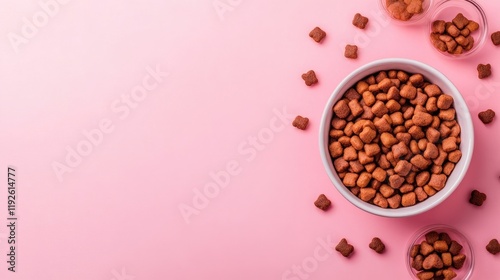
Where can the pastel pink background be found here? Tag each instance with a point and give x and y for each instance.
(118, 212)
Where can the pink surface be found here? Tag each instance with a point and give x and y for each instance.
(223, 111)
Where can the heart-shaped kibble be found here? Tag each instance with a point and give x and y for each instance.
(493, 247)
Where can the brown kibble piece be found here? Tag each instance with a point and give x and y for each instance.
(408, 91)
(379, 109)
(437, 43)
(449, 144)
(495, 38)
(300, 122)
(486, 116)
(360, 21)
(341, 109)
(422, 178)
(431, 151)
(363, 179)
(351, 51)
(352, 94)
(477, 198)
(453, 30)
(483, 70)
(350, 179)
(336, 149)
(447, 259)
(422, 118)
(366, 194)
(449, 274)
(420, 162)
(408, 199)
(432, 261)
(367, 135)
(458, 261)
(430, 191)
(431, 237)
(438, 181)
(455, 156)
(415, 249)
(426, 248)
(380, 201)
(493, 247)
(472, 26)
(417, 80)
(310, 78)
(322, 202)
(399, 150)
(444, 101)
(440, 246)
(445, 237)
(438, 26)
(377, 245)
(394, 201)
(388, 139)
(344, 248)
(417, 262)
(425, 275)
(402, 168)
(460, 21)
(379, 174)
(455, 248)
(317, 34)
(421, 194)
(386, 191)
(355, 107)
(395, 181)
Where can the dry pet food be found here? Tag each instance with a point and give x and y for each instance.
(404, 9)
(483, 71)
(454, 37)
(317, 34)
(436, 257)
(495, 38)
(310, 78)
(377, 245)
(323, 202)
(360, 21)
(394, 138)
(351, 51)
(493, 247)
(300, 122)
(477, 198)
(486, 116)
(344, 248)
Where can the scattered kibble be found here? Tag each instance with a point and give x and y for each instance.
(317, 34)
(323, 202)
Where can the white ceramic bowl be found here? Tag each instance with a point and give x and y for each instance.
(463, 118)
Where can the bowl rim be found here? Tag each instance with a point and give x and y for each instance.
(466, 125)
(439, 7)
(443, 228)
